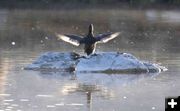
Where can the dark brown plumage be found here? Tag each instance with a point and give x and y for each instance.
(90, 40)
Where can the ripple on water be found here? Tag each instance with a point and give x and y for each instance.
(60, 104)
(6, 103)
(8, 100)
(24, 100)
(10, 107)
(14, 105)
(50, 106)
(7, 95)
(45, 96)
(75, 104)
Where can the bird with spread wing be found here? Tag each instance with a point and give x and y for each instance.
(90, 40)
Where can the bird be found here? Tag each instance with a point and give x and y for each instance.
(89, 40)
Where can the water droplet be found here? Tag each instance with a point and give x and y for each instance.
(124, 97)
(76, 28)
(153, 108)
(46, 38)
(41, 41)
(13, 43)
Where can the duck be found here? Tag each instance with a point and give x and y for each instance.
(89, 41)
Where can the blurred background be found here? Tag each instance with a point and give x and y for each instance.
(147, 24)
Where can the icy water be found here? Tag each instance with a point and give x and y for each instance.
(149, 35)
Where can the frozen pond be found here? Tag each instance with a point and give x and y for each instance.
(148, 35)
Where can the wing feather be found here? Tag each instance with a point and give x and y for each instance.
(72, 39)
(103, 38)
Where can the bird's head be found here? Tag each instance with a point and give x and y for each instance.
(91, 29)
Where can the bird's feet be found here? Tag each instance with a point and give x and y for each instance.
(94, 54)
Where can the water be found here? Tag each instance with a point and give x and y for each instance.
(149, 35)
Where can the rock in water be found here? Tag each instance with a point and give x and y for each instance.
(107, 62)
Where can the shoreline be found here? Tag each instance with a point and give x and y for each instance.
(76, 6)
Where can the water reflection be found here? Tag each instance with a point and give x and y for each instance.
(5, 66)
(86, 90)
(94, 85)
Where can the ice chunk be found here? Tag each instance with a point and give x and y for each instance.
(107, 62)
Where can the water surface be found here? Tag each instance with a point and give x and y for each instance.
(149, 35)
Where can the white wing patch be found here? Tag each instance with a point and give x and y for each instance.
(112, 36)
(68, 39)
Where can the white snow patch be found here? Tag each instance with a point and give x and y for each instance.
(110, 61)
(102, 62)
(53, 61)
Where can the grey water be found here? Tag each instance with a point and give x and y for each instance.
(150, 35)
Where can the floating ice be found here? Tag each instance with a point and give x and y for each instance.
(107, 62)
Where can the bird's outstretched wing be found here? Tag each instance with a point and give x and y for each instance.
(103, 38)
(72, 39)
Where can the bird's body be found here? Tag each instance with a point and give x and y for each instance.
(90, 40)
(89, 48)
(90, 44)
